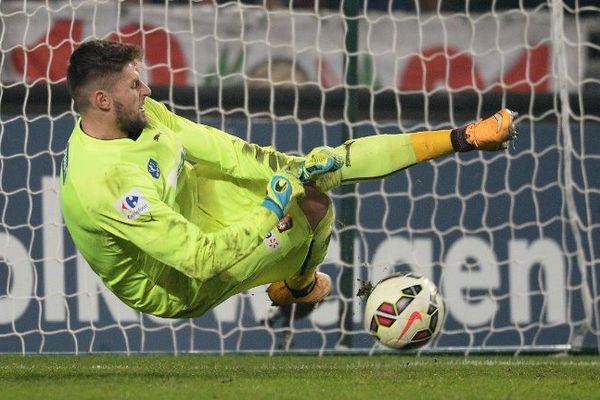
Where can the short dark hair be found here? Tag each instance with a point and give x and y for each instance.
(97, 59)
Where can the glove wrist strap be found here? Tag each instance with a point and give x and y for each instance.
(270, 205)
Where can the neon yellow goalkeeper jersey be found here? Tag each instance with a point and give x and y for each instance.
(133, 211)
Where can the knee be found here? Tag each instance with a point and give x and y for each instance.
(315, 205)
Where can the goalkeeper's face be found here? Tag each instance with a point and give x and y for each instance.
(129, 93)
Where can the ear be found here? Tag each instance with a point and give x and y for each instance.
(102, 100)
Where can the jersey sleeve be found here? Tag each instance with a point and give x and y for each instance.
(215, 149)
(134, 212)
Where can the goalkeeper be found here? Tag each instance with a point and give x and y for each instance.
(175, 216)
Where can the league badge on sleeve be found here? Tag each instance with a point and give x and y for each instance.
(153, 168)
(132, 205)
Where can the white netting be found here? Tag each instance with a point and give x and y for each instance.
(511, 239)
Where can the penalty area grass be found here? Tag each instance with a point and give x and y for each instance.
(281, 377)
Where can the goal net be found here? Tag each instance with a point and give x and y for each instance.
(511, 239)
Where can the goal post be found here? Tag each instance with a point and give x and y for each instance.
(511, 239)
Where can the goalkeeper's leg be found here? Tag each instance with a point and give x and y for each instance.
(307, 285)
(377, 156)
(370, 158)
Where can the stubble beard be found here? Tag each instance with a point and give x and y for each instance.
(133, 126)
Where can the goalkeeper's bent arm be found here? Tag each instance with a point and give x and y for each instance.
(173, 240)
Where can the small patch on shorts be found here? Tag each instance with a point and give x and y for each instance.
(285, 224)
(271, 241)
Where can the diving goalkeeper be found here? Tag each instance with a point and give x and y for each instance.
(175, 216)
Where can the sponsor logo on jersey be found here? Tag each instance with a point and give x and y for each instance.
(271, 241)
(286, 223)
(153, 168)
(132, 205)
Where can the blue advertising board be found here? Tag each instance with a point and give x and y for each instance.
(512, 240)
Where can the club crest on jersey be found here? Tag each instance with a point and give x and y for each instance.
(271, 241)
(153, 168)
(285, 224)
(132, 205)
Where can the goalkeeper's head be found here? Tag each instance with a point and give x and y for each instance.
(103, 77)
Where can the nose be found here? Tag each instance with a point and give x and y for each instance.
(146, 91)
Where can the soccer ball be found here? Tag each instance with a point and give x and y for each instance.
(404, 311)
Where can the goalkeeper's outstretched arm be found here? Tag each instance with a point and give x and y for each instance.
(217, 152)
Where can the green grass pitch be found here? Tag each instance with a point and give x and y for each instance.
(298, 377)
